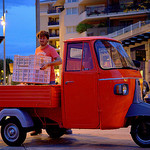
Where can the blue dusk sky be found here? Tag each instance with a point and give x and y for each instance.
(20, 28)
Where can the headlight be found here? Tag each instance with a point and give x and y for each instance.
(121, 89)
(124, 89)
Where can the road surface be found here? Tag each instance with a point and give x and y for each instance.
(80, 139)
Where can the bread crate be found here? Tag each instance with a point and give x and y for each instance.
(27, 69)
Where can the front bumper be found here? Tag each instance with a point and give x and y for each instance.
(139, 109)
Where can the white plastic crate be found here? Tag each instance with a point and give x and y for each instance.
(27, 69)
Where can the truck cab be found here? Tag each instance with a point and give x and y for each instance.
(98, 82)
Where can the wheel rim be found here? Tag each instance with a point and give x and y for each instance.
(11, 132)
(143, 132)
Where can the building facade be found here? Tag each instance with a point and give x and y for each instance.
(65, 19)
(99, 18)
(49, 21)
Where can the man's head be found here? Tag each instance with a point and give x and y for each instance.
(43, 37)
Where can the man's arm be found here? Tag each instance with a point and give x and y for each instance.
(57, 61)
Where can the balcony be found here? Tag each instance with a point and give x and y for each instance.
(132, 30)
(97, 31)
(104, 31)
(57, 10)
(140, 28)
(115, 9)
(111, 11)
(54, 36)
(53, 23)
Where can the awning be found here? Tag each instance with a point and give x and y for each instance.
(1, 38)
(136, 39)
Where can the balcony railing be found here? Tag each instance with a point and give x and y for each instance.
(115, 31)
(100, 10)
(129, 28)
(53, 35)
(55, 11)
(53, 23)
(101, 31)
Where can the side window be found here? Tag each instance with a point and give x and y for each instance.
(74, 57)
(87, 63)
(78, 57)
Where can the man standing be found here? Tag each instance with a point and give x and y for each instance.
(46, 50)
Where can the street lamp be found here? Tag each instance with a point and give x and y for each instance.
(2, 21)
(3, 24)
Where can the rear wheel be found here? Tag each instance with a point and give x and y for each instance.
(55, 131)
(13, 134)
(140, 132)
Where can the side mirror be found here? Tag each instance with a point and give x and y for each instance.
(145, 88)
(136, 63)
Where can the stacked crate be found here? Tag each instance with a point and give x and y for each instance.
(26, 69)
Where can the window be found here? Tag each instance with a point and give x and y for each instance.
(57, 43)
(75, 0)
(72, 11)
(112, 55)
(71, 1)
(71, 29)
(68, 11)
(79, 57)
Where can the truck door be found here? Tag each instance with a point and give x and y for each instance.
(80, 88)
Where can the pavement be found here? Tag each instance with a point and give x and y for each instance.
(80, 139)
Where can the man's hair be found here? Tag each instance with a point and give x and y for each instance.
(43, 33)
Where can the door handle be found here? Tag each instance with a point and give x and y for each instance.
(69, 82)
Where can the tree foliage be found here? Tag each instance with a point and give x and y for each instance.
(83, 27)
(8, 60)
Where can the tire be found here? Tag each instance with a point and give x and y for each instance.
(13, 134)
(140, 132)
(55, 132)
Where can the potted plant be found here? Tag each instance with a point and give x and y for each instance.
(83, 27)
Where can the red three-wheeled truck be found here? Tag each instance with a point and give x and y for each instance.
(100, 89)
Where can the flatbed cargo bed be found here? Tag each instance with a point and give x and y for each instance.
(37, 96)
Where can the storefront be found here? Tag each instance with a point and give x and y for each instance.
(138, 47)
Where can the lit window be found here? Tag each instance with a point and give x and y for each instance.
(57, 44)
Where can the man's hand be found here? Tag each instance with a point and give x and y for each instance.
(57, 61)
(44, 66)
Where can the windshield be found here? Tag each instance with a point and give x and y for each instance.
(111, 54)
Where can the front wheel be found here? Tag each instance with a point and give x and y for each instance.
(140, 132)
(13, 134)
